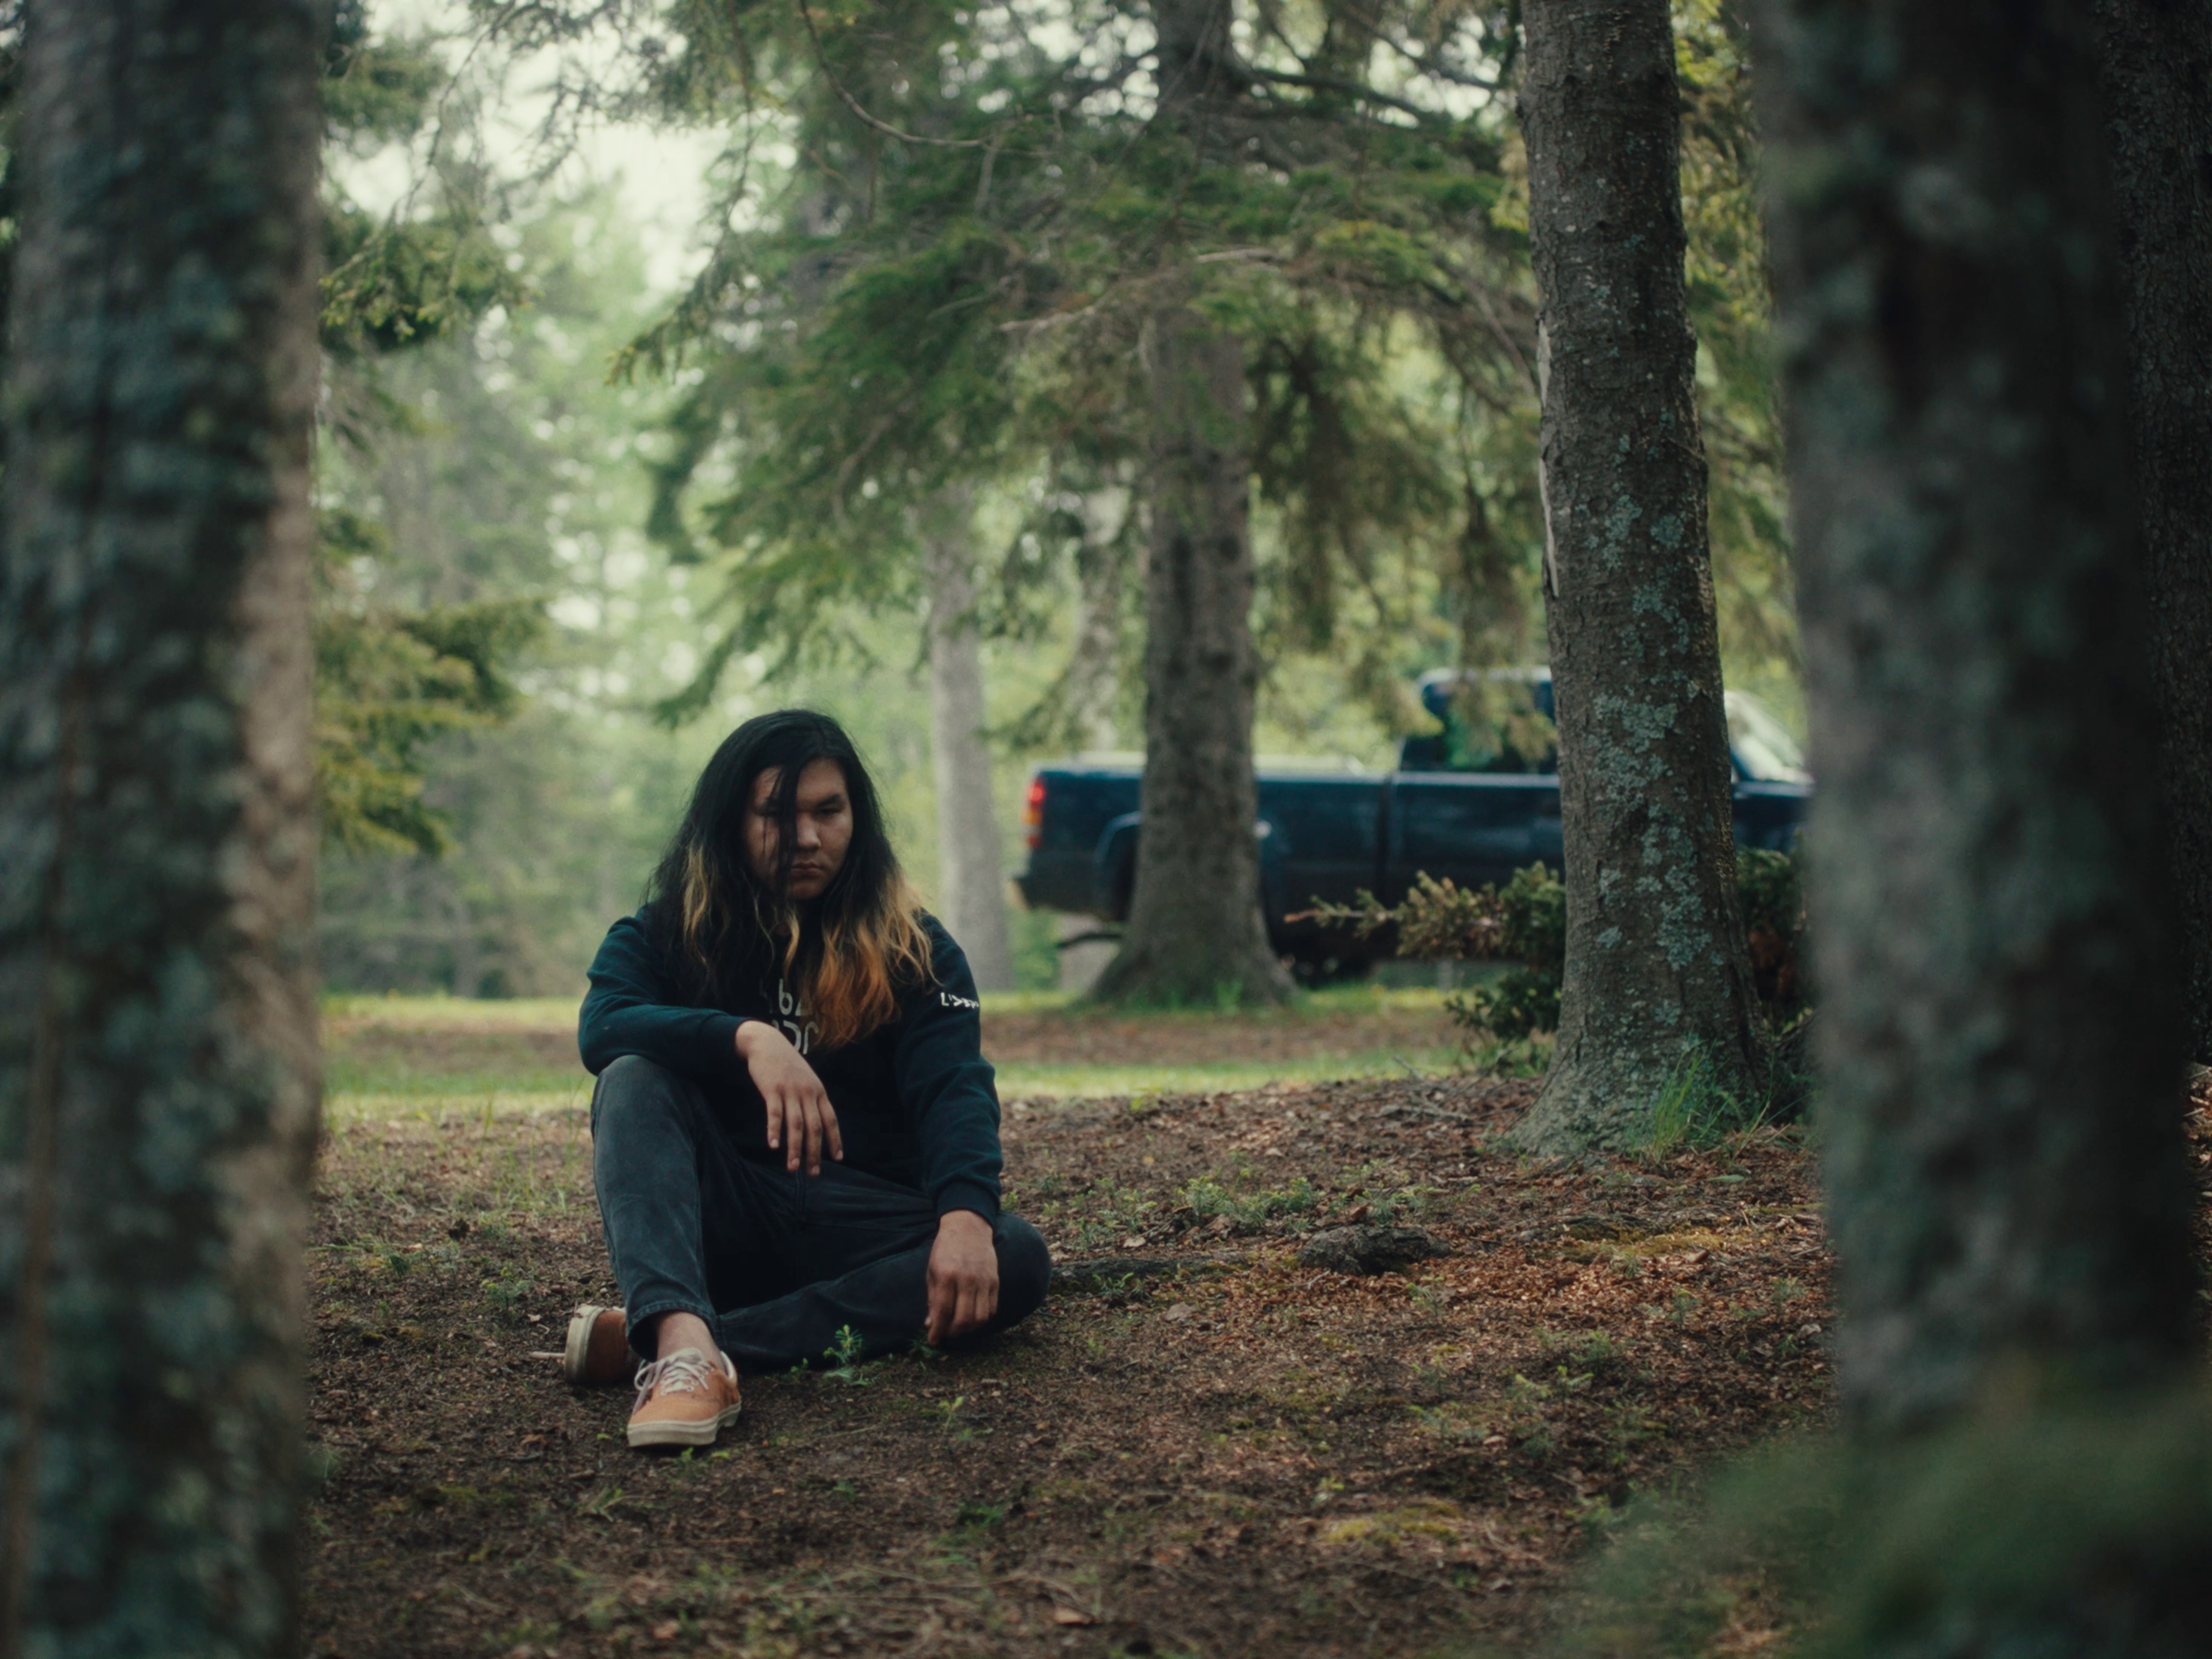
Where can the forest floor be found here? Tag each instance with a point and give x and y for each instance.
(1233, 1455)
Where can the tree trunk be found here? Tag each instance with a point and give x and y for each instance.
(1997, 1034)
(2157, 61)
(1093, 664)
(1658, 995)
(157, 1063)
(1195, 934)
(971, 885)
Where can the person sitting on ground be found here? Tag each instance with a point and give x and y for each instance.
(794, 1133)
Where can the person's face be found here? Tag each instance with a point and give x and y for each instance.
(824, 828)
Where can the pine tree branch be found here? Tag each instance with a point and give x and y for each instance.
(871, 122)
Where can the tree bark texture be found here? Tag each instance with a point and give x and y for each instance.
(157, 1046)
(1094, 664)
(1658, 991)
(2157, 61)
(1195, 932)
(971, 884)
(1998, 1040)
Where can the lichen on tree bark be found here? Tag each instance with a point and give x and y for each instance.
(156, 998)
(1658, 990)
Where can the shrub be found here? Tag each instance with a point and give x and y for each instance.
(1525, 922)
(1772, 888)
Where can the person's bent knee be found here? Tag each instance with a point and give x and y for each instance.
(630, 1080)
(1024, 1269)
(629, 1072)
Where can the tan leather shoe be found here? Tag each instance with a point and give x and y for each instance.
(683, 1398)
(598, 1352)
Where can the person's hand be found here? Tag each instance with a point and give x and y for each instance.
(800, 1119)
(964, 1277)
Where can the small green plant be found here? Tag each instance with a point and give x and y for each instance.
(1109, 1213)
(845, 1356)
(977, 1516)
(1627, 1426)
(528, 1635)
(1527, 1425)
(1597, 1351)
(1528, 1056)
(1692, 1109)
(1207, 1198)
(602, 1503)
(947, 1415)
(1406, 1202)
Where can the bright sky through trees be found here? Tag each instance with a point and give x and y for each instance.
(658, 175)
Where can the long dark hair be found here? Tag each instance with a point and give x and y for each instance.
(850, 953)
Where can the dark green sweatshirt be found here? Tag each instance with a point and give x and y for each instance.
(915, 1102)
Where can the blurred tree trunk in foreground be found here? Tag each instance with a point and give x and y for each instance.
(1998, 1041)
(971, 884)
(1658, 991)
(1194, 925)
(157, 1065)
(2157, 61)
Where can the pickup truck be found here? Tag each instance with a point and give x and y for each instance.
(1473, 801)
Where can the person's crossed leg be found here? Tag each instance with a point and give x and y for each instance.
(727, 1262)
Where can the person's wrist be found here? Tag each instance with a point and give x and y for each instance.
(957, 1221)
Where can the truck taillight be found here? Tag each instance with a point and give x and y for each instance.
(1033, 813)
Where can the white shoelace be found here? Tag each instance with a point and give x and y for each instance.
(685, 1371)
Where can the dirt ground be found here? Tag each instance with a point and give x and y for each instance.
(1238, 1454)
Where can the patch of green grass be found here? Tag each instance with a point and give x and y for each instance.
(444, 1109)
(397, 1080)
(449, 1013)
(382, 1080)
(1334, 1000)
(1031, 1080)
(1692, 1110)
(505, 1292)
(1208, 1199)
(1105, 1213)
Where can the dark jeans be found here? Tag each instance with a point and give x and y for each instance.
(776, 1263)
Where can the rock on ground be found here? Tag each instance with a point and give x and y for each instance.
(1370, 1249)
